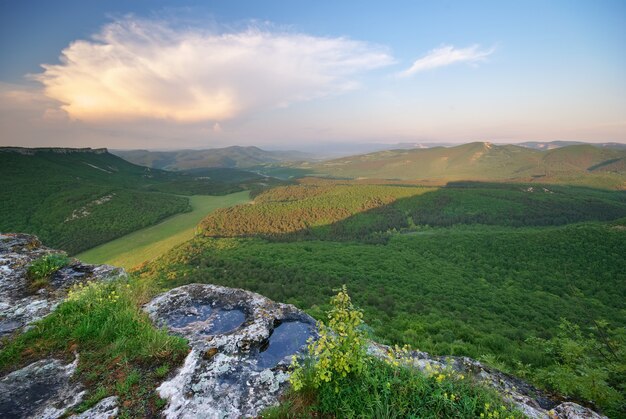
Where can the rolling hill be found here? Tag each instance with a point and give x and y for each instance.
(75, 199)
(576, 164)
(228, 157)
(550, 145)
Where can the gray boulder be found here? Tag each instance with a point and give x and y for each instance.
(19, 305)
(241, 345)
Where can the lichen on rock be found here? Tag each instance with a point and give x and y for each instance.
(226, 374)
(19, 304)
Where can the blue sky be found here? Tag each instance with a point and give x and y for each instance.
(165, 74)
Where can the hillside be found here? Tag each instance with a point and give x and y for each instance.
(484, 270)
(577, 164)
(549, 145)
(75, 199)
(228, 157)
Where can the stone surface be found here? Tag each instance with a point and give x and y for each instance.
(533, 402)
(19, 305)
(43, 389)
(105, 409)
(241, 344)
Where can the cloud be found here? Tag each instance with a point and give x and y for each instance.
(447, 55)
(136, 68)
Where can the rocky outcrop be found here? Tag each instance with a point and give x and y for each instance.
(45, 389)
(241, 344)
(531, 401)
(19, 304)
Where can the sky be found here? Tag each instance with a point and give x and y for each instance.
(157, 74)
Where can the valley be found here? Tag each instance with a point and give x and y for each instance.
(477, 263)
(143, 245)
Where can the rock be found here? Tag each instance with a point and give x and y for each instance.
(42, 389)
(19, 306)
(570, 410)
(241, 344)
(533, 402)
(105, 409)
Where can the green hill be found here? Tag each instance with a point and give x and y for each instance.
(75, 199)
(576, 164)
(228, 157)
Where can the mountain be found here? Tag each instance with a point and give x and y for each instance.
(75, 199)
(584, 164)
(229, 157)
(549, 145)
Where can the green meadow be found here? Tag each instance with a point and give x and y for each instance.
(145, 244)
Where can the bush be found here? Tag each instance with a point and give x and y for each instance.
(338, 379)
(340, 349)
(587, 366)
(40, 270)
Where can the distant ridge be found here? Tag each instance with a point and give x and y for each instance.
(550, 145)
(60, 150)
(483, 161)
(229, 157)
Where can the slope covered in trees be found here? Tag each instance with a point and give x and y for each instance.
(469, 269)
(576, 164)
(74, 199)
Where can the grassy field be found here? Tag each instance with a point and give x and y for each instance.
(148, 243)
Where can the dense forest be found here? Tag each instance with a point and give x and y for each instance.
(441, 269)
(351, 210)
(76, 199)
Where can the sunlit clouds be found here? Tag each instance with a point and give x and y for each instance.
(447, 55)
(137, 69)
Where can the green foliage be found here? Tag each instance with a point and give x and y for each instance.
(577, 164)
(497, 273)
(76, 200)
(312, 209)
(120, 350)
(347, 210)
(340, 349)
(385, 391)
(339, 379)
(46, 265)
(588, 366)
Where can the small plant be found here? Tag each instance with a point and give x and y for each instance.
(40, 270)
(340, 349)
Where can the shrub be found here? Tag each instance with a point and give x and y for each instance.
(340, 349)
(338, 379)
(40, 270)
(587, 366)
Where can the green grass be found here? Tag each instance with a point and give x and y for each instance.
(384, 391)
(143, 245)
(121, 352)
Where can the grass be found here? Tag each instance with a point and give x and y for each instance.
(121, 353)
(39, 270)
(385, 391)
(146, 244)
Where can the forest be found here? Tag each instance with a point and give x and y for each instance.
(75, 200)
(440, 269)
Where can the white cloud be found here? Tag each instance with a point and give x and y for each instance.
(135, 69)
(447, 55)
